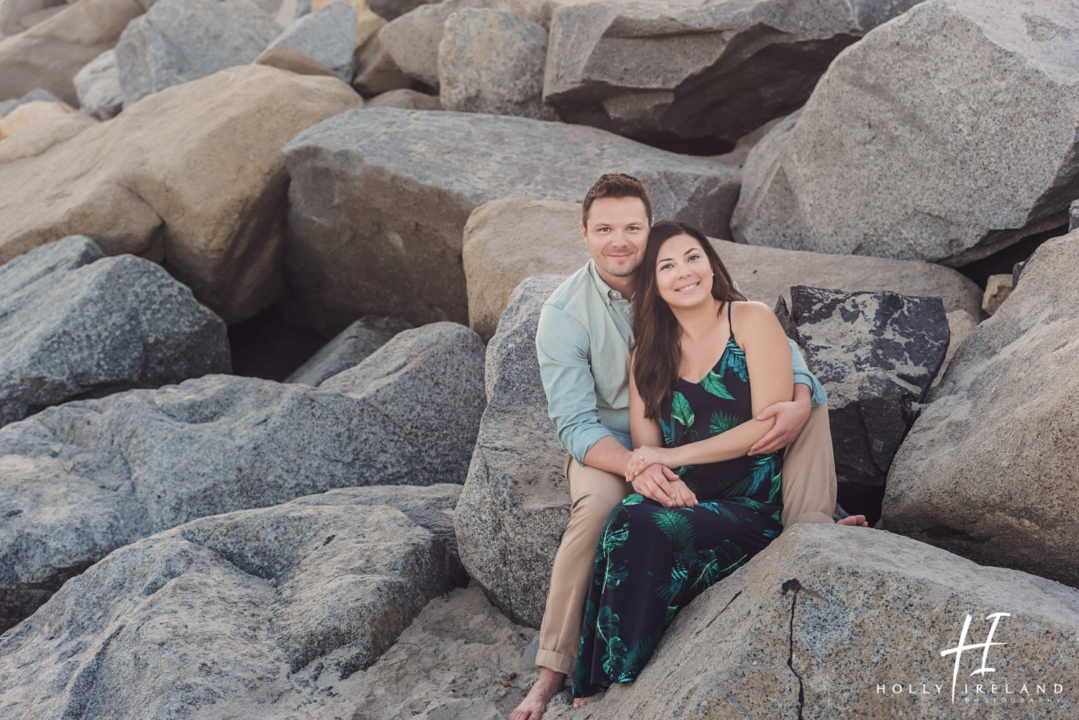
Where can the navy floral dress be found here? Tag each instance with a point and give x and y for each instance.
(652, 560)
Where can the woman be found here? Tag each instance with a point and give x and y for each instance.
(695, 414)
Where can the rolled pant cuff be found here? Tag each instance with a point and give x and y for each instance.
(555, 661)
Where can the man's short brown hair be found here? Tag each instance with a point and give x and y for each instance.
(616, 185)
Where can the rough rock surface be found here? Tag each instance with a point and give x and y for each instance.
(997, 290)
(405, 99)
(294, 61)
(412, 40)
(492, 62)
(348, 349)
(889, 156)
(876, 354)
(75, 324)
(986, 470)
(328, 36)
(814, 624)
(515, 505)
(98, 87)
(82, 479)
(48, 55)
(697, 75)
(178, 41)
(377, 73)
(510, 239)
(403, 212)
(960, 325)
(254, 609)
(392, 9)
(211, 207)
(8, 105)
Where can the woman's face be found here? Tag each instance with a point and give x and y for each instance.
(683, 273)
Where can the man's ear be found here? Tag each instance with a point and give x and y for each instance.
(584, 231)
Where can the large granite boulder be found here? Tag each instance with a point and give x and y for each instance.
(492, 62)
(697, 75)
(876, 354)
(833, 622)
(261, 610)
(98, 87)
(412, 39)
(350, 348)
(209, 208)
(328, 36)
(890, 155)
(515, 505)
(988, 469)
(510, 239)
(80, 480)
(49, 54)
(178, 41)
(75, 324)
(379, 199)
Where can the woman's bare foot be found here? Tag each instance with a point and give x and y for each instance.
(853, 520)
(535, 703)
(581, 702)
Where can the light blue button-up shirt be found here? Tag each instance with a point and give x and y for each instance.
(583, 344)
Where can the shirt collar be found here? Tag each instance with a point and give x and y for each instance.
(605, 291)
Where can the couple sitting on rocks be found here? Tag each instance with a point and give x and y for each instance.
(651, 346)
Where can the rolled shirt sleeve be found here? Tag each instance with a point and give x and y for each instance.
(802, 376)
(563, 351)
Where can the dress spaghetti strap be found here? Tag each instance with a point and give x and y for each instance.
(729, 323)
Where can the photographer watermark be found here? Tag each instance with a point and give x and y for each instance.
(1029, 691)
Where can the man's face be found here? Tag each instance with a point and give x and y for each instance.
(616, 235)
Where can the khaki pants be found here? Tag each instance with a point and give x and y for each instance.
(809, 488)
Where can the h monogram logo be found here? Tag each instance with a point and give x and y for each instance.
(958, 649)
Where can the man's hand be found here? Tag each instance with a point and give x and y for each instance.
(790, 418)
(644, 457)
(656, 483)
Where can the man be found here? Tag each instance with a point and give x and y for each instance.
(583, 343)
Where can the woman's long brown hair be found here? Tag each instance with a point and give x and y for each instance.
(656, 332)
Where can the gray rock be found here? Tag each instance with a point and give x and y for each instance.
(401, 184)
(697, 74)
(37, 94)
(984, 470)
(377, 73)
(328, 36)
(348, 349)
(876, 354)
(515, 504)
(75, 324)
(412, 40)
(404, 99)
(890, 154)
(1073, 215)
(88, 477)
(393, 9)
(817, 623)
(229, 613)
(492, 62)
(178, 41)
(98, 86)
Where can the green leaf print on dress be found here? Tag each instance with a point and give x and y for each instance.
(637, 657)
(610, 567)
(734, 359)
(680, 409)
(614, 657)
(713, 383)
(721, 422)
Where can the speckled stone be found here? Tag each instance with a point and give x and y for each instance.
(515, 505)
(254, 612)
(328, 36)
(350, 348)
(378, 201)
(80, 480)
(178, 41)
(876, 354)
(890, 155)
(813, 626)
(697, 72)
(989, 468)
(76, 324)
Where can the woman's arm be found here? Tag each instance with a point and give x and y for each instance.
(769, 361)
(653, 480)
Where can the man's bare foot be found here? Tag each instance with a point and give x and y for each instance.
(581, 702)
(535, 703)
(853, 520)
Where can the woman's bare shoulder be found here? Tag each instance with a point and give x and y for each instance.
(751, 318)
